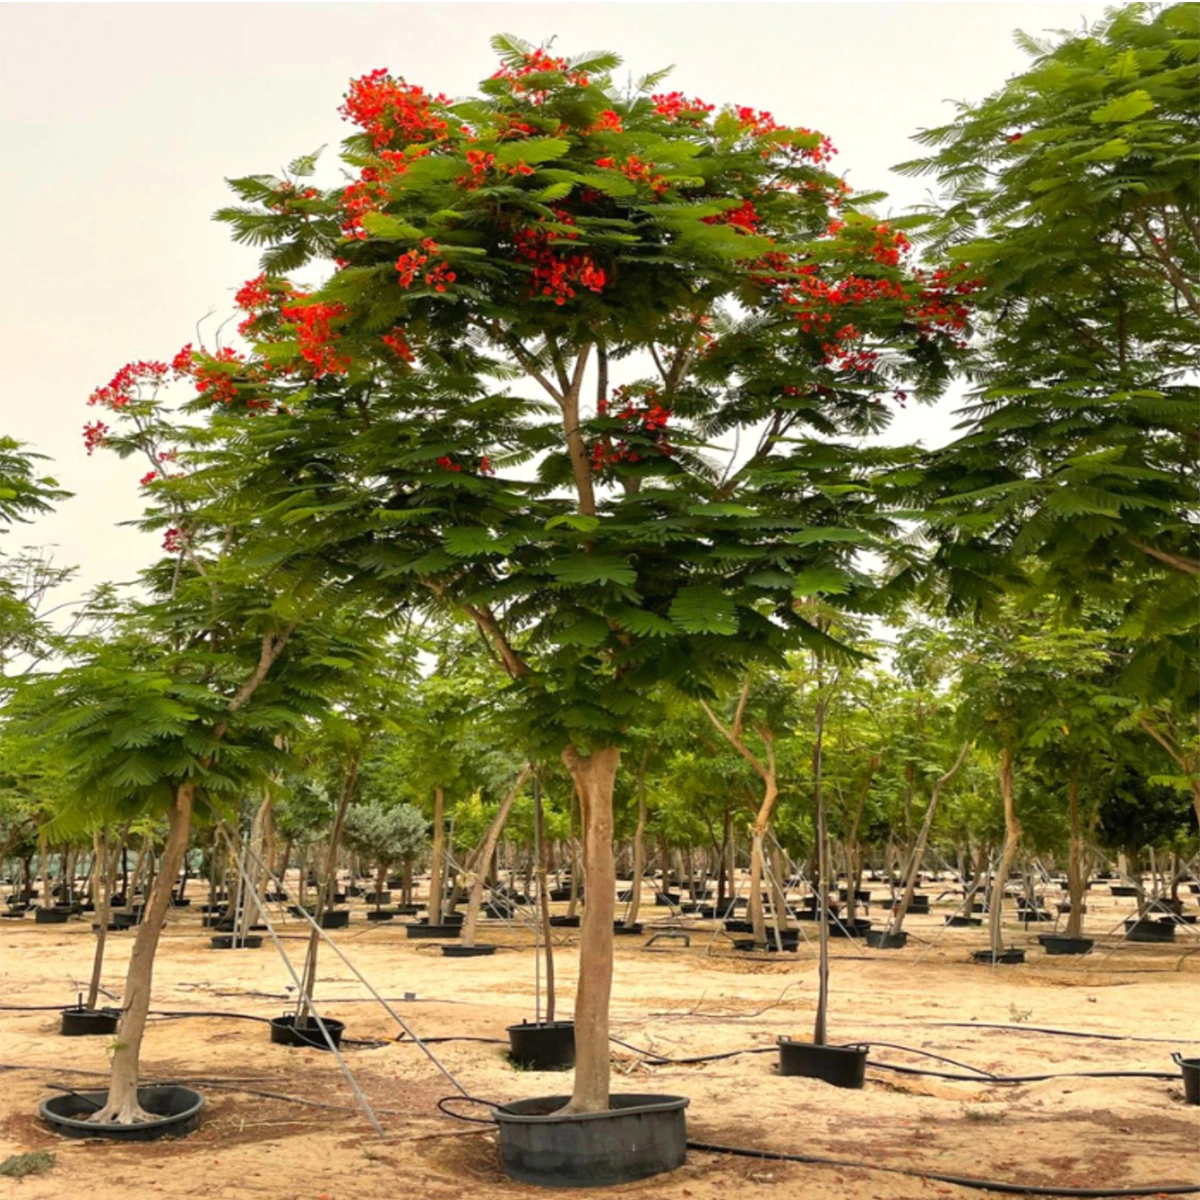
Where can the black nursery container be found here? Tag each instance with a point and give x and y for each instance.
(1147, 930)
(620, 929)
(80, 1021)
(229, 941)
(338, 919)
(1054, 943)
(458, 950)
(881, 939)
(176, 1111)
(1010, 957)
(637, 1137)
(1191, 1077)
(52, 916)
(382, 914)
(564, 922)
(285, 1032)
(542, 1045)
(841, 1066)
(422, 929)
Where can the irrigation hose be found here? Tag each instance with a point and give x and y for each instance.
(966, 1181)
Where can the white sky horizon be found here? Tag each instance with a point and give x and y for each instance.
(120, 123)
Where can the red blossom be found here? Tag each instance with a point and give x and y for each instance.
(607, 122)
(394, 112)
(397, 343)
(173, 541)
(411, 264)
(448, 464)
(149, 477)
(674, 105)
(745, 218)
(94, 435)
(315, 338)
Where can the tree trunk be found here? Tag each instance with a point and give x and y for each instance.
(539, 817)
(436, 883)
(594, 775)
(1075, 866)
(1012, 837)
(818, 757)
(573, 820)
(483, 857)
(639, 849)
(46, 899)
(918, 851)
(103, 879)
(122, 1106)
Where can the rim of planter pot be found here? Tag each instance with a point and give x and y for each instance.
(638, 1136)
(1190, 1068)
(285, 1033)
(176, 1108)
(458, 950)
(80, 1021)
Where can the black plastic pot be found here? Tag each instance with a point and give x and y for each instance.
(1145, 930)
(1035, 915)
(422, 929)
(498, 912)
(737, 925)
(842, 1066)
(558, 895)
(52, 916)
(564, 922)
(184, 902)
(15, 914)
(1057, 943)
(176, 1108)
(381, 915)
(788, 942)
(229, 941)
(959, 921)
(849, 929)
(637, 1137)
(881, 939)
(408, 910)
(666, 899)
(79, 1021)
(1191, 1077)
(620, 929)
(285, 1032)
(1120, 889)
(1009, 957)
(458, 950)
(542, 1045)
(124, 921)
(335, 920)
(378, 897)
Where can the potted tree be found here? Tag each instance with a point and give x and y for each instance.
(559, 231)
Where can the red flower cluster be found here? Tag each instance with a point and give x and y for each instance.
(215, 384)
(757, 123)
(315, 338)
(448, 464)
(674, 105)
(173, 541)
(94, 435)
(411, 264)
(636, 171)
(256, 297)
(397, 343)
(745, 218)
(642, 421)
(122, 388)
(481, 162)
(941, 303)
(283, 196)
(607, 122)
(149, 477)
(394, 112)
(890, 245)
(557, 275)
(539, 63)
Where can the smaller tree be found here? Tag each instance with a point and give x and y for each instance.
(386, 837)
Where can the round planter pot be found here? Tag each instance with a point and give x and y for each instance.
(880, 939)
(124, 921)
(409, 910)
(1191, 1077)
(285, 1032)
(52, 916)
(788, 941)
(15, 914)
(1150, 931)
(458, 950)
(228, 941)
(335, 920)
(736, 925)
(1122, 890)
(378, 897)
(78, 1021)
(380, 916)
(620, 929)
(542, 1045)
(666, 899)
(842, 1066)
(498, 912)
(176, 1109)
(637, 1137)
(849, 929)
(1054, 943)
(560, 895)
(959, 921)
(425, 930)
(185, 902)
(1010, 957)
(564, 922)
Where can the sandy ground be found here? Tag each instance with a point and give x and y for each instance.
(676, 1001)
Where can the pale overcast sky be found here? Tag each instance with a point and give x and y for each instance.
(119, 123)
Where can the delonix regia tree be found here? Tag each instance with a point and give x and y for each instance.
(701, 314)
(179, 705)
(1074, 188)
